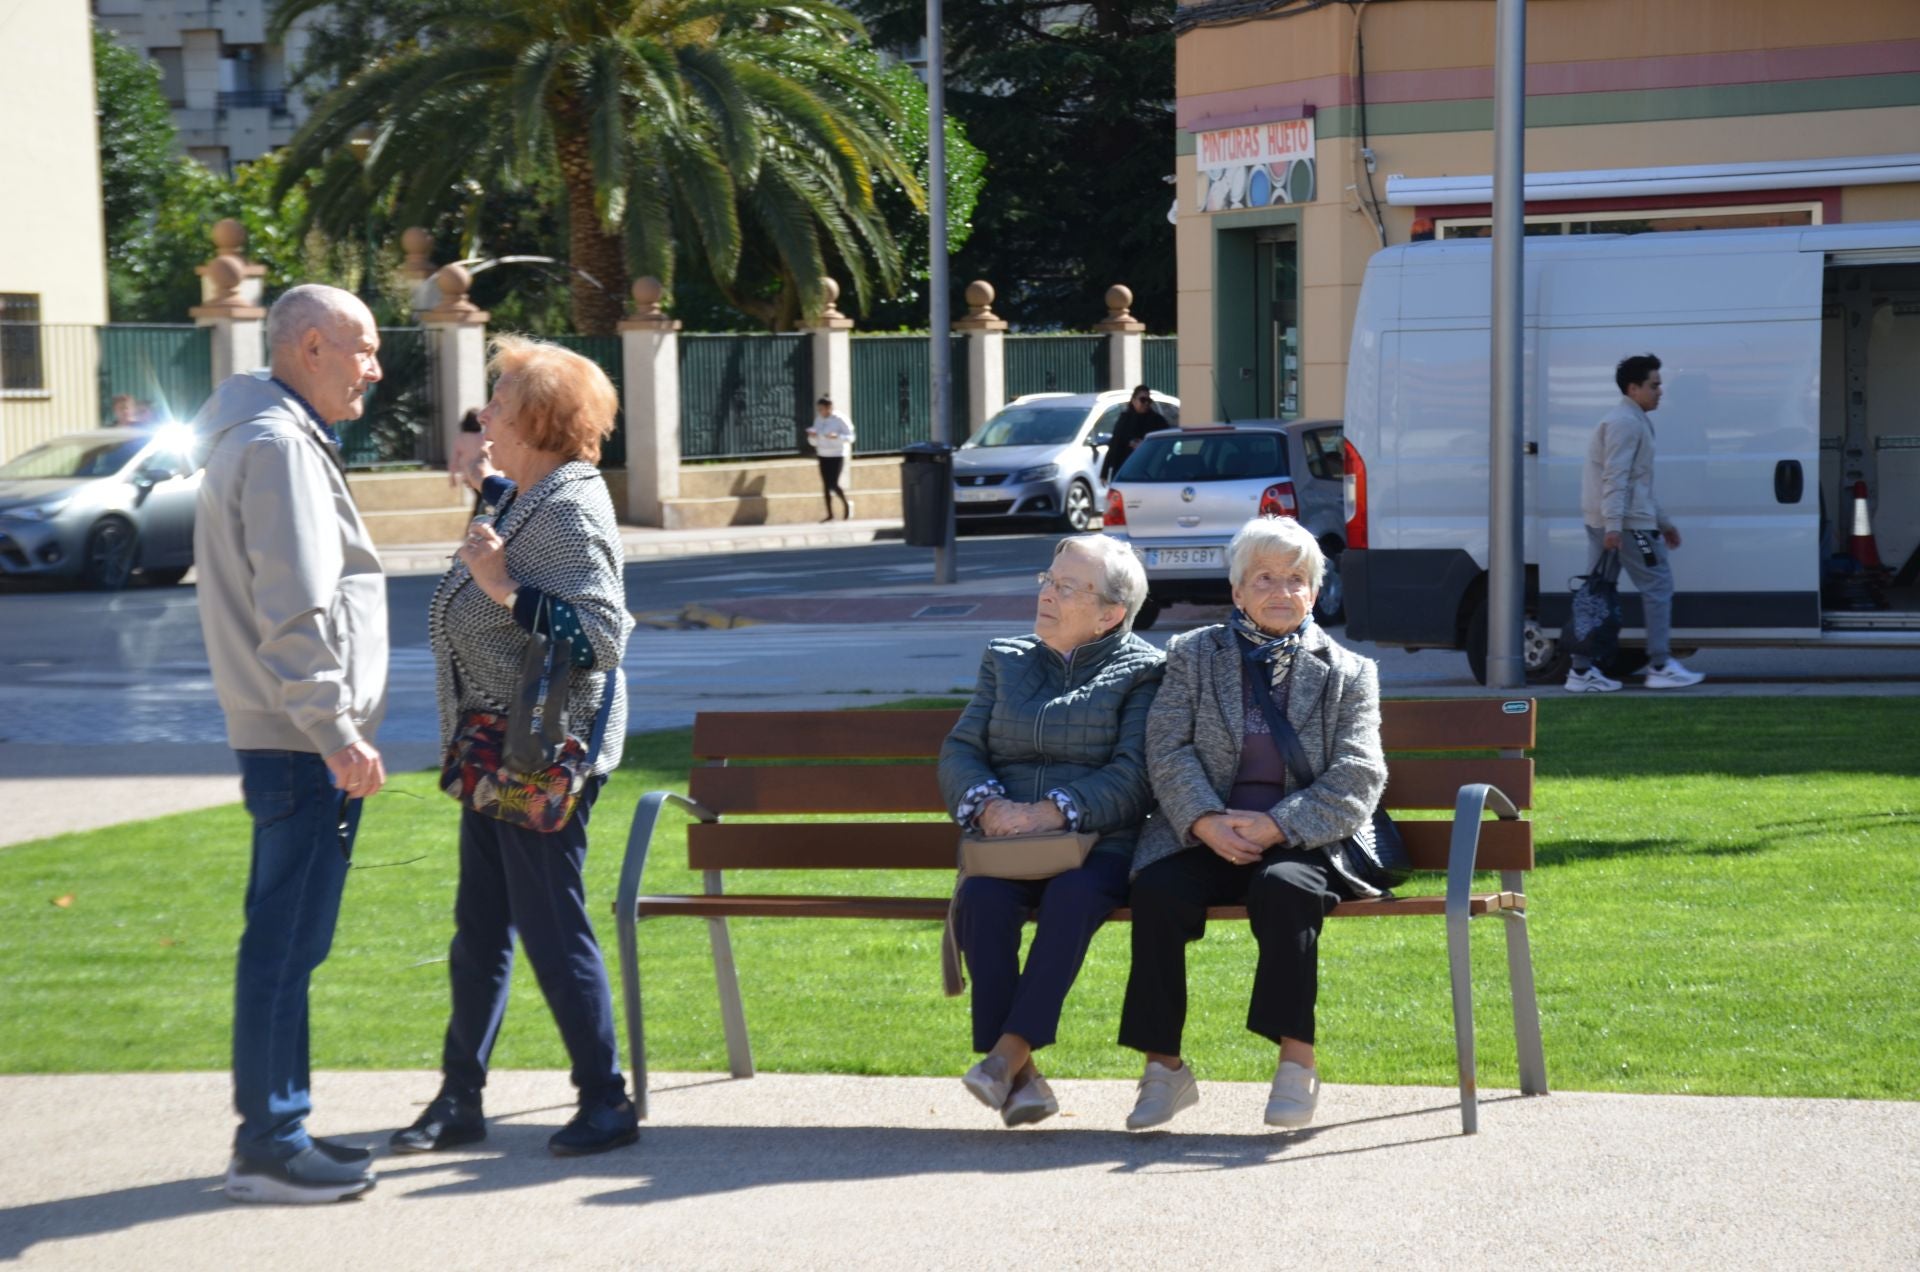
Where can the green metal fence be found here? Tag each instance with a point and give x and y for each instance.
(744, 395)
(170, 367)
(1056, 364)
(398, 426)
(605, 352)
(892, 386)
(1160, 363)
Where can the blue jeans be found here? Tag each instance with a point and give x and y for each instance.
(1068, 909)
(293, 899)
(516, 881)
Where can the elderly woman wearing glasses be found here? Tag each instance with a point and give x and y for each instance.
(1234, 828)
(1054, 740)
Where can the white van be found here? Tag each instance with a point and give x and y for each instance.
(1791, 360)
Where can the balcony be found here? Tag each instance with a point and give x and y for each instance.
(272, 99)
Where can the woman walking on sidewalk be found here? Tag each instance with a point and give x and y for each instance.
(832, 438)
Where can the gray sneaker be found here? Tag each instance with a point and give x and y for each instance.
(1031, 1101)
(1296, 1089)
(309, 1177)
(1163, 1093)
(988, 1082)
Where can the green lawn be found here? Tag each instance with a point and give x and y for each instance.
(1727, 903)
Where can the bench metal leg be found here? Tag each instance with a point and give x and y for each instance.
(630, 1000)
(1460, 970)
(626, 918)
(733, 1014)
(1526, 1007)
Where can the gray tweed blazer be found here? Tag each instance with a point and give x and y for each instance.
(1194, 735)
(563, 539)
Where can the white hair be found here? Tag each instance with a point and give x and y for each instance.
(309, 307)
(1278, 536)
(1123, 581)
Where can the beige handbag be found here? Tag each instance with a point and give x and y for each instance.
(1039, 856)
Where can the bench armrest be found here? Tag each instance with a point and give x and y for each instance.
(1468, 809)
(640, 840)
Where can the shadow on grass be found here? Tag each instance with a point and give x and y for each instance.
(676, 1162)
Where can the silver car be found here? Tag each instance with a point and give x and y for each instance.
(100, 506)
(1184, 492)
(1039, 457)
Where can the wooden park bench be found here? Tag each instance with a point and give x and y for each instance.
(881, 762)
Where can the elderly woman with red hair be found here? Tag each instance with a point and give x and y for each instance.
(550, 563)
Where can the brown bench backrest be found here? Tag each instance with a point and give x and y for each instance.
(775, 763)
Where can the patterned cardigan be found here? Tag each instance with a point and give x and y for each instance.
(1195, 729)
(563, 539)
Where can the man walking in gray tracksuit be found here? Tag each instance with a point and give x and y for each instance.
(1617, 504)
(293, 605)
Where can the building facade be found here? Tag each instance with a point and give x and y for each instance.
(53, 267)
(226, 82)
(1310, 135)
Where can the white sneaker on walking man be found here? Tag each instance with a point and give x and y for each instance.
(1617, 504)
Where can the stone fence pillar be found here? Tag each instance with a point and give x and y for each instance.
(830, 339)
(457, 333)
(230, 290)
(650, 353)
(986, 335)
(1125, 351)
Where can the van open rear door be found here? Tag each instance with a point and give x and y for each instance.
(1735, 321)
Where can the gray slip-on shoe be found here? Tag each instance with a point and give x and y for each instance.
(1296, 1090)
(1163, 1093)
(1030, 1101)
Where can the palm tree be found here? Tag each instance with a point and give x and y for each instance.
(706, 120)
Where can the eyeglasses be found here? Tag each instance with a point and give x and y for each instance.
(1264, 583)
(1065, 591)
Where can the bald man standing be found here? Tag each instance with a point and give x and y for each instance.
(293, 605)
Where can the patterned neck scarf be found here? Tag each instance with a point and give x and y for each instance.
(1276, 652)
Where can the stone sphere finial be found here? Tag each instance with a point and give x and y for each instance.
(417, 243)
(1119, 300)
(648, 292)
(224, 273)
(979, 296)
(830, 288)
(229, 236)
(453, 282)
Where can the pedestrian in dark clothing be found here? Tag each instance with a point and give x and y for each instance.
(1136, 422)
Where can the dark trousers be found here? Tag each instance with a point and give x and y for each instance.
(1287, 893)
(298, 872)
(514, 880)
(1068, 908)
(831, 466)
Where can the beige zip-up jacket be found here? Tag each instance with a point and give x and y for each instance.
(293, 603)
(1616, 485)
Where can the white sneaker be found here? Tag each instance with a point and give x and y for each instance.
(1671, 675)
(1296, 1089)
(1163, 1092)
(1592, 680)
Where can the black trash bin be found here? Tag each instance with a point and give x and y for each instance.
(926, 493)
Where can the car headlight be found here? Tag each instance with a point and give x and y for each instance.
(36, 512)
(1039, 472)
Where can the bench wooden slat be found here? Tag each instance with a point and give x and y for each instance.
(934, 909)
(804, 735)
(1452, 724)
(933, 846)
(1429, 783)
(820, 788)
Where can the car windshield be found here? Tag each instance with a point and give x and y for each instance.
(74, 457)
(1207, 457)
(1034, 425)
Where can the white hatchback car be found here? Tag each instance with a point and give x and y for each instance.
(1184, 492)
(1039, 457)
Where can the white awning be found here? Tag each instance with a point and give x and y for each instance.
(1630, 183)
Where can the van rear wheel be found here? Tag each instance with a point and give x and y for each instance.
(1545, 661)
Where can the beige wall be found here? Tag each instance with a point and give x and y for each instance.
(51, 238)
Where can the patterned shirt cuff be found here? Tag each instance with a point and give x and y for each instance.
(974, 800)
(1063, 800)
(564, 623)
(495, 489)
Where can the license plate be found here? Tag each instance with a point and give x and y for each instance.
(983, 494)
(1184, 558)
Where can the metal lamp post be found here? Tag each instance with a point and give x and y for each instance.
(940, 354)
(1506, 570)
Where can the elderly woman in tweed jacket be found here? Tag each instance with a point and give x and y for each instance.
(551, 561)
(1233, 827)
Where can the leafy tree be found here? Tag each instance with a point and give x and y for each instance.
(137, 157)
(1074, 107)
(668, 121)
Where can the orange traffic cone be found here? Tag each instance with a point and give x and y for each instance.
(1862, 547)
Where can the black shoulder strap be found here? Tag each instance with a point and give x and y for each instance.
(1284, 734)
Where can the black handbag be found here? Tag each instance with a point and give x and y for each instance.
(1375, 856)
(1593, 630)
